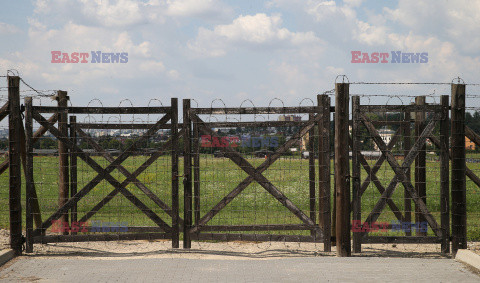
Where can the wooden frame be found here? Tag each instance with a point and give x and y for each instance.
(166, 231)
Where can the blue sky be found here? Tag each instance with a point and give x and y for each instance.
(234, 50)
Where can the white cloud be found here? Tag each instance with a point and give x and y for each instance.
(370, 34)
(107, 13)
(200, 8)
(152, 66)
(454, 21)
(126, 13)
(256, 30)
(113, 13)
(287, 48)
(17, 62)
(79, 38)
(8, 29)
(353, 3)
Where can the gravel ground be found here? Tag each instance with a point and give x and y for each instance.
(225, 250)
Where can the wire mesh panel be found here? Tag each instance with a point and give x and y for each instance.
(254, 174)
(119, 176)
(472, 148)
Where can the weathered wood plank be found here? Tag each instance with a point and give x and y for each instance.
(266, 227)
(342, 170)
(102, 110)
(254, 110)
(401, 108)
(458, 182)
(63, 164)
(99, 237)
(15, 172)
(401, 240)
(356, 157)
(4, 111)
(29, 182)
(187, 175)
(324, 210)
(254, 237)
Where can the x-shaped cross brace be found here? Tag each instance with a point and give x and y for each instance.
(400, 172)
(130, 177)
(372, 177)
(256, 174)
(102, 174)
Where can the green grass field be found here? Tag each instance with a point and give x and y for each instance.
(218, 177)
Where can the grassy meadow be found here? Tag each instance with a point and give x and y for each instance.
(218, 177)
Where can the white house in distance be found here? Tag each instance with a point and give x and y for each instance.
(386, 136)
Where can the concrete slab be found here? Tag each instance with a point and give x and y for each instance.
(305, 269)
(468, 257)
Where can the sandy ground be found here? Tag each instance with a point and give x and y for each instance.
(223, 250)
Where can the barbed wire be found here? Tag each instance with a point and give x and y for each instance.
(396, 83)
(329, 92)
(39, 93)
(393, 95)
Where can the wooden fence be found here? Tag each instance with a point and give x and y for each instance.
(325, 218)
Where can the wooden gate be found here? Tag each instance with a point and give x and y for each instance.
(200, 214)
(75, 230)
(431, 124)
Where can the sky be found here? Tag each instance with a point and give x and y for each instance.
(235, 50)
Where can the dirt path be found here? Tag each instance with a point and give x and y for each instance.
(224, 250)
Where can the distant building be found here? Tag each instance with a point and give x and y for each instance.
(470, 145)
(293, 118)
(386, 136)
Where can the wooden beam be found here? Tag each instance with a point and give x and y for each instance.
(342, 170)
(458, 182)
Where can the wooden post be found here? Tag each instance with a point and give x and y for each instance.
(444, 176)
(73, 170)
(29, 189)
(324, 206)
(420, 164)
(407, 145)
(311, 173)
(342, 169)
(334, 201)
(63, 180)
(357, 197)
(187, 182)
(15, 178)
(175, 203)
(459, 194)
